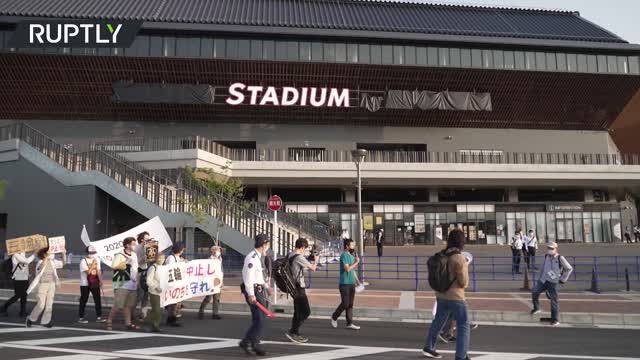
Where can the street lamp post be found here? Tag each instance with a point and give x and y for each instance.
(358, 156)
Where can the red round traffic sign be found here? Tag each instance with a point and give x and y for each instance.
(275, 203)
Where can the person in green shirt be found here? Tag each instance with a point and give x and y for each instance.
(348, 281)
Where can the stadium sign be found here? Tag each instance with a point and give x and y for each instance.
(241, 94)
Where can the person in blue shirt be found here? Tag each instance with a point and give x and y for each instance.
(348, 281)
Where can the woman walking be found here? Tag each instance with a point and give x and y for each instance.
(153, 281)
(46, 280)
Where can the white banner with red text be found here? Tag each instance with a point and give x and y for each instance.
(185, 280)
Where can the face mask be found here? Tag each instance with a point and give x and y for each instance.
(51, 256)
(217, 253)
(551, 252)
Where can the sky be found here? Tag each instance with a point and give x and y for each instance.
(618, 16)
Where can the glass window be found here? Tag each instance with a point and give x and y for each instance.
(219, 48)
(602, 64)
(2, 39)
(498, 59)
(387, 54)
(634, 65)
(541, 227)
(421, 56)
(588, 230)
(577, 227)
(455, 57)
(541, 61)
(606, 227)
(341, 52)
(487, 59)
(612, 64)
(292, 51)
(281, 50)
(592, 63)
(530, 61)
(256, 50)
(410, 55)
(597, 228)
(465, 57)
(552, 64)
(305, 51)
(182, 47)
(572, 62)
(232, 49)
(376, 54)
(551, 227)
(476, 58)
(398, 55)
(364, 54)
(101, 51)
(269, 50)
(583, 65)
(531, 222)
(623, 65)
(432, 56)
(352, 53)
(142, 45)
(169, 46)
(316, 51)
(520, 60)
(562, 61)
(155, 46)
(244, 49)
(509, 60)
(206, 48)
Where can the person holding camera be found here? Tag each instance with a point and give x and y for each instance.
(301, 310)
(348, 281)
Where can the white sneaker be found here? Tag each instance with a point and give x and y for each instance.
(101, 320)
(353, 327)
(82, 321)
(334, 324)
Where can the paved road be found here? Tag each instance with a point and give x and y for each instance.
(208, 339)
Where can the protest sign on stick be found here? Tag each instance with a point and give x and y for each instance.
(26, 244)
(57, 245)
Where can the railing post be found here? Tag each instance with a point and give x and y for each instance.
(617, 275)
(416, 272)
(473, 276)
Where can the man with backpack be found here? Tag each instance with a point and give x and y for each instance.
(17, 267)
(449, 276)
(125, 286)
(301, 311)
(90, 283)
(555, 270)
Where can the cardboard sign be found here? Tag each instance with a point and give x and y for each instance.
(184, 280)
(57, 245)
(151, 251)
(26, 244)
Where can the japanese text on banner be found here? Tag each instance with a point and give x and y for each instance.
(182, 281)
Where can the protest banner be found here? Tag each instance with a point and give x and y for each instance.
(109, 247)
(57, 245)
(184, 280)
(26, 244)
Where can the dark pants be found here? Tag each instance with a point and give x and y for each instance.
(380, 248)
(637, 235)
(456, 310)
(517, 257)
(552, 294)
(20, 292)
(301, 311)
(347, 295)
(627, 237)
(84, 297)
(215, 303)
(255, 331)
(530, 256)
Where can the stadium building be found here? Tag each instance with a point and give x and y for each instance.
(487, 118)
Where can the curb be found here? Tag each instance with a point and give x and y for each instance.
(485, 317)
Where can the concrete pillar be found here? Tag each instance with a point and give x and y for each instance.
(350, 195)
(588, 195)
(433, 195)
(263, 194)
(190, 241)
(512, 195)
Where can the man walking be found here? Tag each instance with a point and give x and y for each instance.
(627, 234)
(216, 255)
(555, 269)
(380, 241)
(20, 276)
(348, 281)
(253, 288)
(517, 244)
(142, 296)
(125, 286)
(90, 283)
(636, 233)
(531, 244)
(301, 310)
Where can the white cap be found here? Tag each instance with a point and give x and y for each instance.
(91, 249)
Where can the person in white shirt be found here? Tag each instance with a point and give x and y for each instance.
(531, 246)
(20, 276)
(46, 281)
(216, 255)
(517, 244)
(173, 309)
(153, 282)
(143, 291)
(125, 285)
(90, 283)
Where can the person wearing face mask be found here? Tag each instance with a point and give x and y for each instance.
(348, 281)
(555, 270)
(517, 244)
(20, 276)
(301, 310)
(216, 255)
(173, 310)
(154, 316)
(253, 288)
(46, 280)
(125, 285)
(90, 283)
(142, 296)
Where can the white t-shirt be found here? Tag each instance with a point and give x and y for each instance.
(84, 269)
(132, 260)
(21, 265)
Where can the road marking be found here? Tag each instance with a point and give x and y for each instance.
(75, 357)
(182, 348)
(506, 356)
(335, 354)
(79, 339)
(526, 303)
(92, 353)
(408, 300)
(25, 329)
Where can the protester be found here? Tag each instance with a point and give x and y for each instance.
(347, 286)
(380, 241)
(253, 288)
(216, 254)
(20, 276)
(451, 303)
(555, 269)
(531, 244)
(90, 282)
(46, 280)
(154, 316)
(142, 296)
(301, 310)
(636, 233)
(517, 244)
(173, 309)
(125, 286)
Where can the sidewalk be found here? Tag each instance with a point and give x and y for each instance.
(619, 310)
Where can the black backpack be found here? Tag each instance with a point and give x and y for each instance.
(283, 276)
(438, 266)
(7, 267)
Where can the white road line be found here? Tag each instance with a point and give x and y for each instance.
(24, 329)
(92, 353)
(79, 339)
(505, 356)
(182, 348)
(408, 300)
(526, 303)
(334, 354)
(75, 357)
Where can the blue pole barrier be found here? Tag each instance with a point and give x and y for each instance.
(416, 272)
(473, 274)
